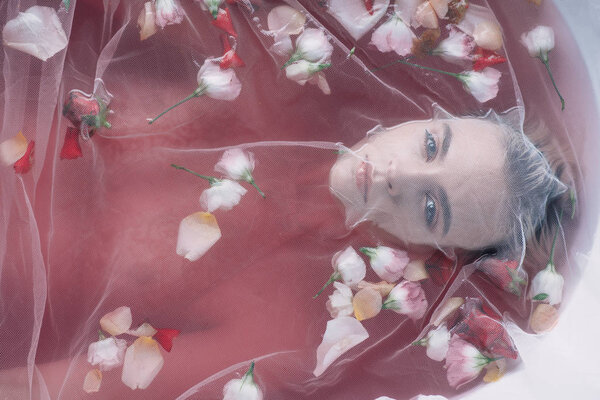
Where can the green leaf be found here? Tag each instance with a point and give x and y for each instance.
(541, 296)
(67, 4)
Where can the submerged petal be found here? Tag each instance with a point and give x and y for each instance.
(354, 16)
(92, 381)
(143, 361)
(285, 20)
(341, 335)
(197, 233)
(37, 32)
(117, 322)
(11, 150)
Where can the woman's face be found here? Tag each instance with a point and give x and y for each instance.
(439, 183)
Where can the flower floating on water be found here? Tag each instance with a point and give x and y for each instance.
(223, 194)
(539, 42)
(71, 148)
(18, 152)
(197, 234)
(457, 46)
(482, 85)
(238, 165)
(393, 35)
(437, 342)
(37, 32)
(506, 274)
(367, 303)
(223, 21)
(168, 12)
(303, 71)
(243, 389)
(389, 264)
(341, 335)
(464, 362)
(347, 266)
(147, 21)
(143, 361)
(107, 353)
(340, 302)
(407, 298)
(230, 57)
(547, 285)
(213, 82)
(313, 46)
(117, 322)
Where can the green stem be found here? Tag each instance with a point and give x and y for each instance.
(334, 277)
(257, 188)
(295, 57)
(248, 374)
(547, 65)
(368, 251)
(197, 93)
(551, 261)
(210, 179)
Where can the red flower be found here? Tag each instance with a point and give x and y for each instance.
(71, 149)
(223, 21)
(230, 57)
(440, 268)
(369, 6)
(165, 337)
(23, 164)
(482, 328)
(505, 274)
(486, 58)
(80, 108)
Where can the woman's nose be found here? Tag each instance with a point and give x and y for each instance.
(402, 178)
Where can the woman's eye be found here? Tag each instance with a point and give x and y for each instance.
(430, 146)
(430, 211)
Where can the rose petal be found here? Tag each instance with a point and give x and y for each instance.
(144, 329)
(440, 7)
(341, 335)
(11, 150)
(406, 9)
(24, 164)
(92, 381)
(147, 21)
(37, 32)
(165, 338)
(425, 16)
(544, 318)
(71, 148)
(366, 303)
(354, 17)
(487, 35)
(445, 309)
(224, 22)
(117, 322)
(415, 271)
(197, 234)
(285, 20)
(383, 287)
(495, 371)
(143, 361)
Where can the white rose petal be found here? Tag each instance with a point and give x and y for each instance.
(302, 71)
(147, 21)
(92, 381)
(438, 341)
(440, 7)
(285, 20)
(117, 322)
(350, 266)
(425, 16)
(406, 9)
(548, 282)
(37, 32)
(144, 329)
(354, 17)
(168, 12)
(197, 234)
(341, 335)
(107, 353)
(224, 194)
(389, 264)
(241, 389)
(340, 302)
(539, 41)
(482, 85)
(488, 35)
(445, 309)
(219, 84)
(236, 164)
(432, 397)
(143, 361)
(313, 46)
(11, 150)
(393, 35)
(457, 46)
(283, 45)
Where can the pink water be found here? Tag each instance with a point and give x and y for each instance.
(100, 232)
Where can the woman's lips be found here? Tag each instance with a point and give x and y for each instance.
(363, 178)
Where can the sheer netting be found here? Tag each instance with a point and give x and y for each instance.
(255, 199)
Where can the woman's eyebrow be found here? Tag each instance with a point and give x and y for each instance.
(446, 141)
(447, 214)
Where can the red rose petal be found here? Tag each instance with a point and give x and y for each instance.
(230, 57)
(23, 164)
(165, 337)
(71, 148)
(223, 21)
(369, 6)
(486, 58)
